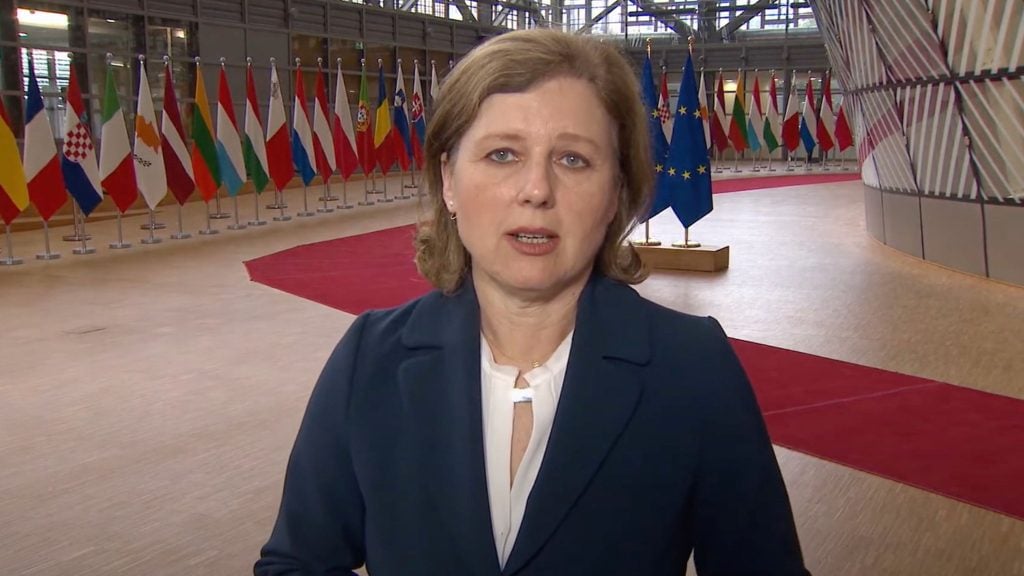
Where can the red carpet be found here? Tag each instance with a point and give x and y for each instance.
(950, 440)
(795, 179)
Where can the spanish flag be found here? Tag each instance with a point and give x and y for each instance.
(13, 189)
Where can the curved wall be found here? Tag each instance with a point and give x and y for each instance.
(937, 95)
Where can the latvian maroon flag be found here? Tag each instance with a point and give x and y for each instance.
(177, 162)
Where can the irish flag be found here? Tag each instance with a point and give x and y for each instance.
(204, 151)
(255, 147)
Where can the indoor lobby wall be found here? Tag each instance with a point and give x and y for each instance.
(938, 102)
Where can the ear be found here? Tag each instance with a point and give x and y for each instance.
(446, 179)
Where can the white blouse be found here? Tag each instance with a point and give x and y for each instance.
(498, 383)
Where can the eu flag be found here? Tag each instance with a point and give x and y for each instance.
(659, 146)
(685, 180)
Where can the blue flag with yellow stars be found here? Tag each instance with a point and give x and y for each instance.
(659, 146)
(684, 179)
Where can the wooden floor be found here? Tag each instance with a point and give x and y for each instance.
(149, 397)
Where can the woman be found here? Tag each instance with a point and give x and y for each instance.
(534, 415)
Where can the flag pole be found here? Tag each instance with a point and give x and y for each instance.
(120, 244)
(47, 254)
(9, 260)
(208, 231)
(344, 196)
(84, 248)
(647, 241)
(279, 201)
(76, 234)
(256, 221)
(686, 243)
(384, 177)
(180, 234)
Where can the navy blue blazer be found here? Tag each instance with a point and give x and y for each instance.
(657, 450)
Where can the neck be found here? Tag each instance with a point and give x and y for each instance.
(525, 333)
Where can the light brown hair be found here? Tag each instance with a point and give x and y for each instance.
(515, 62)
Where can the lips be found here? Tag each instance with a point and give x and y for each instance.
(533, 241)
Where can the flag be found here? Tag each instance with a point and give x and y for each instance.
(770, 131)
(364, 136)
(791, 125)
(809, 120)
(738, 122)
(659, 146)
(176, 161)
(702, 98)
(229, 145)
(434, 86)
(844, 136)
(255, 146)
(13, 188)
(42, 169)
(302, 136)
(323, 140)
(664, 107)
(78, 162)
(826, 120)
(117, 167)
(345, 155)
(755, 119)
(205, 165)
(718, 123)
(686, 179)
(279, 146)
(400, 136)
(150, 174)
(419, 123)
(383, 144)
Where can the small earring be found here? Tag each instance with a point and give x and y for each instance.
(452, 216)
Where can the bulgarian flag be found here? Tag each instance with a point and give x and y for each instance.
(279, 145)
(13, 188)
(771, 118)
(180, 180)
(117, 167)
(204, 151)
(255, 145)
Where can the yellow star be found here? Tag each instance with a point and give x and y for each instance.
(671, 171)
(701, 169)
(682, 110)
(659, 168)
(654, 113)
(697, 114)
(686, 175)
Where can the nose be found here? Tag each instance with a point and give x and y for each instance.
(537, 185)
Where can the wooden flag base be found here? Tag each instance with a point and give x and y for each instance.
(701, 259)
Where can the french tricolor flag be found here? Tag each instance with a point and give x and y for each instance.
(78, 160)
(42, 170)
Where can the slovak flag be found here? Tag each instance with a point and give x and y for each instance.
(78, 160)
(419, 122)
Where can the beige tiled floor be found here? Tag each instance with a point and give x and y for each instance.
(148, 398)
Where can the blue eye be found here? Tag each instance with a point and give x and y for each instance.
(574, 161)
(502, 156)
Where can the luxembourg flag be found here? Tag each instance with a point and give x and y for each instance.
(78, 161)
(344, 133)
(229, 145)
(419, 123)
(323, 141)
(302, 136)
(809, 120)
(42, 169)
(279, 146)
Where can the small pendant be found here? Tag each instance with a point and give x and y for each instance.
(519, 395)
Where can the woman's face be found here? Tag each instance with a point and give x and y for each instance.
(535, 183)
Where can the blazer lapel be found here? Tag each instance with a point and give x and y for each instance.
(601, 390)
(440, 387)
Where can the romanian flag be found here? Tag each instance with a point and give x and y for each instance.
(205, 164)
(13, 188)
(383, 143)
(364, 138)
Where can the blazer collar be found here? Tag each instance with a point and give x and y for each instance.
(441, 390)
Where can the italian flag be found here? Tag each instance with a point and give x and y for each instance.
(117, 167)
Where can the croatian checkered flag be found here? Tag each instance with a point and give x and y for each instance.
(78, 158)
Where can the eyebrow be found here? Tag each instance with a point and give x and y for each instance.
(517, 138)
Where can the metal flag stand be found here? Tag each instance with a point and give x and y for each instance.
(9, 260)
(180, 234)
(686, 243)
(305, 203)
(344, 196)
(208, 231)
(237, 225)
(84, 248)
(120, 244)
(77, 233)
(47, 254)
(152, 225)
(384, 177)
(366, 195)
(219, 215)
(647, 241)
(770, 169)
(325, 209)
(151, 239)
(718, 160)
(280, 205)
(256, 204)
